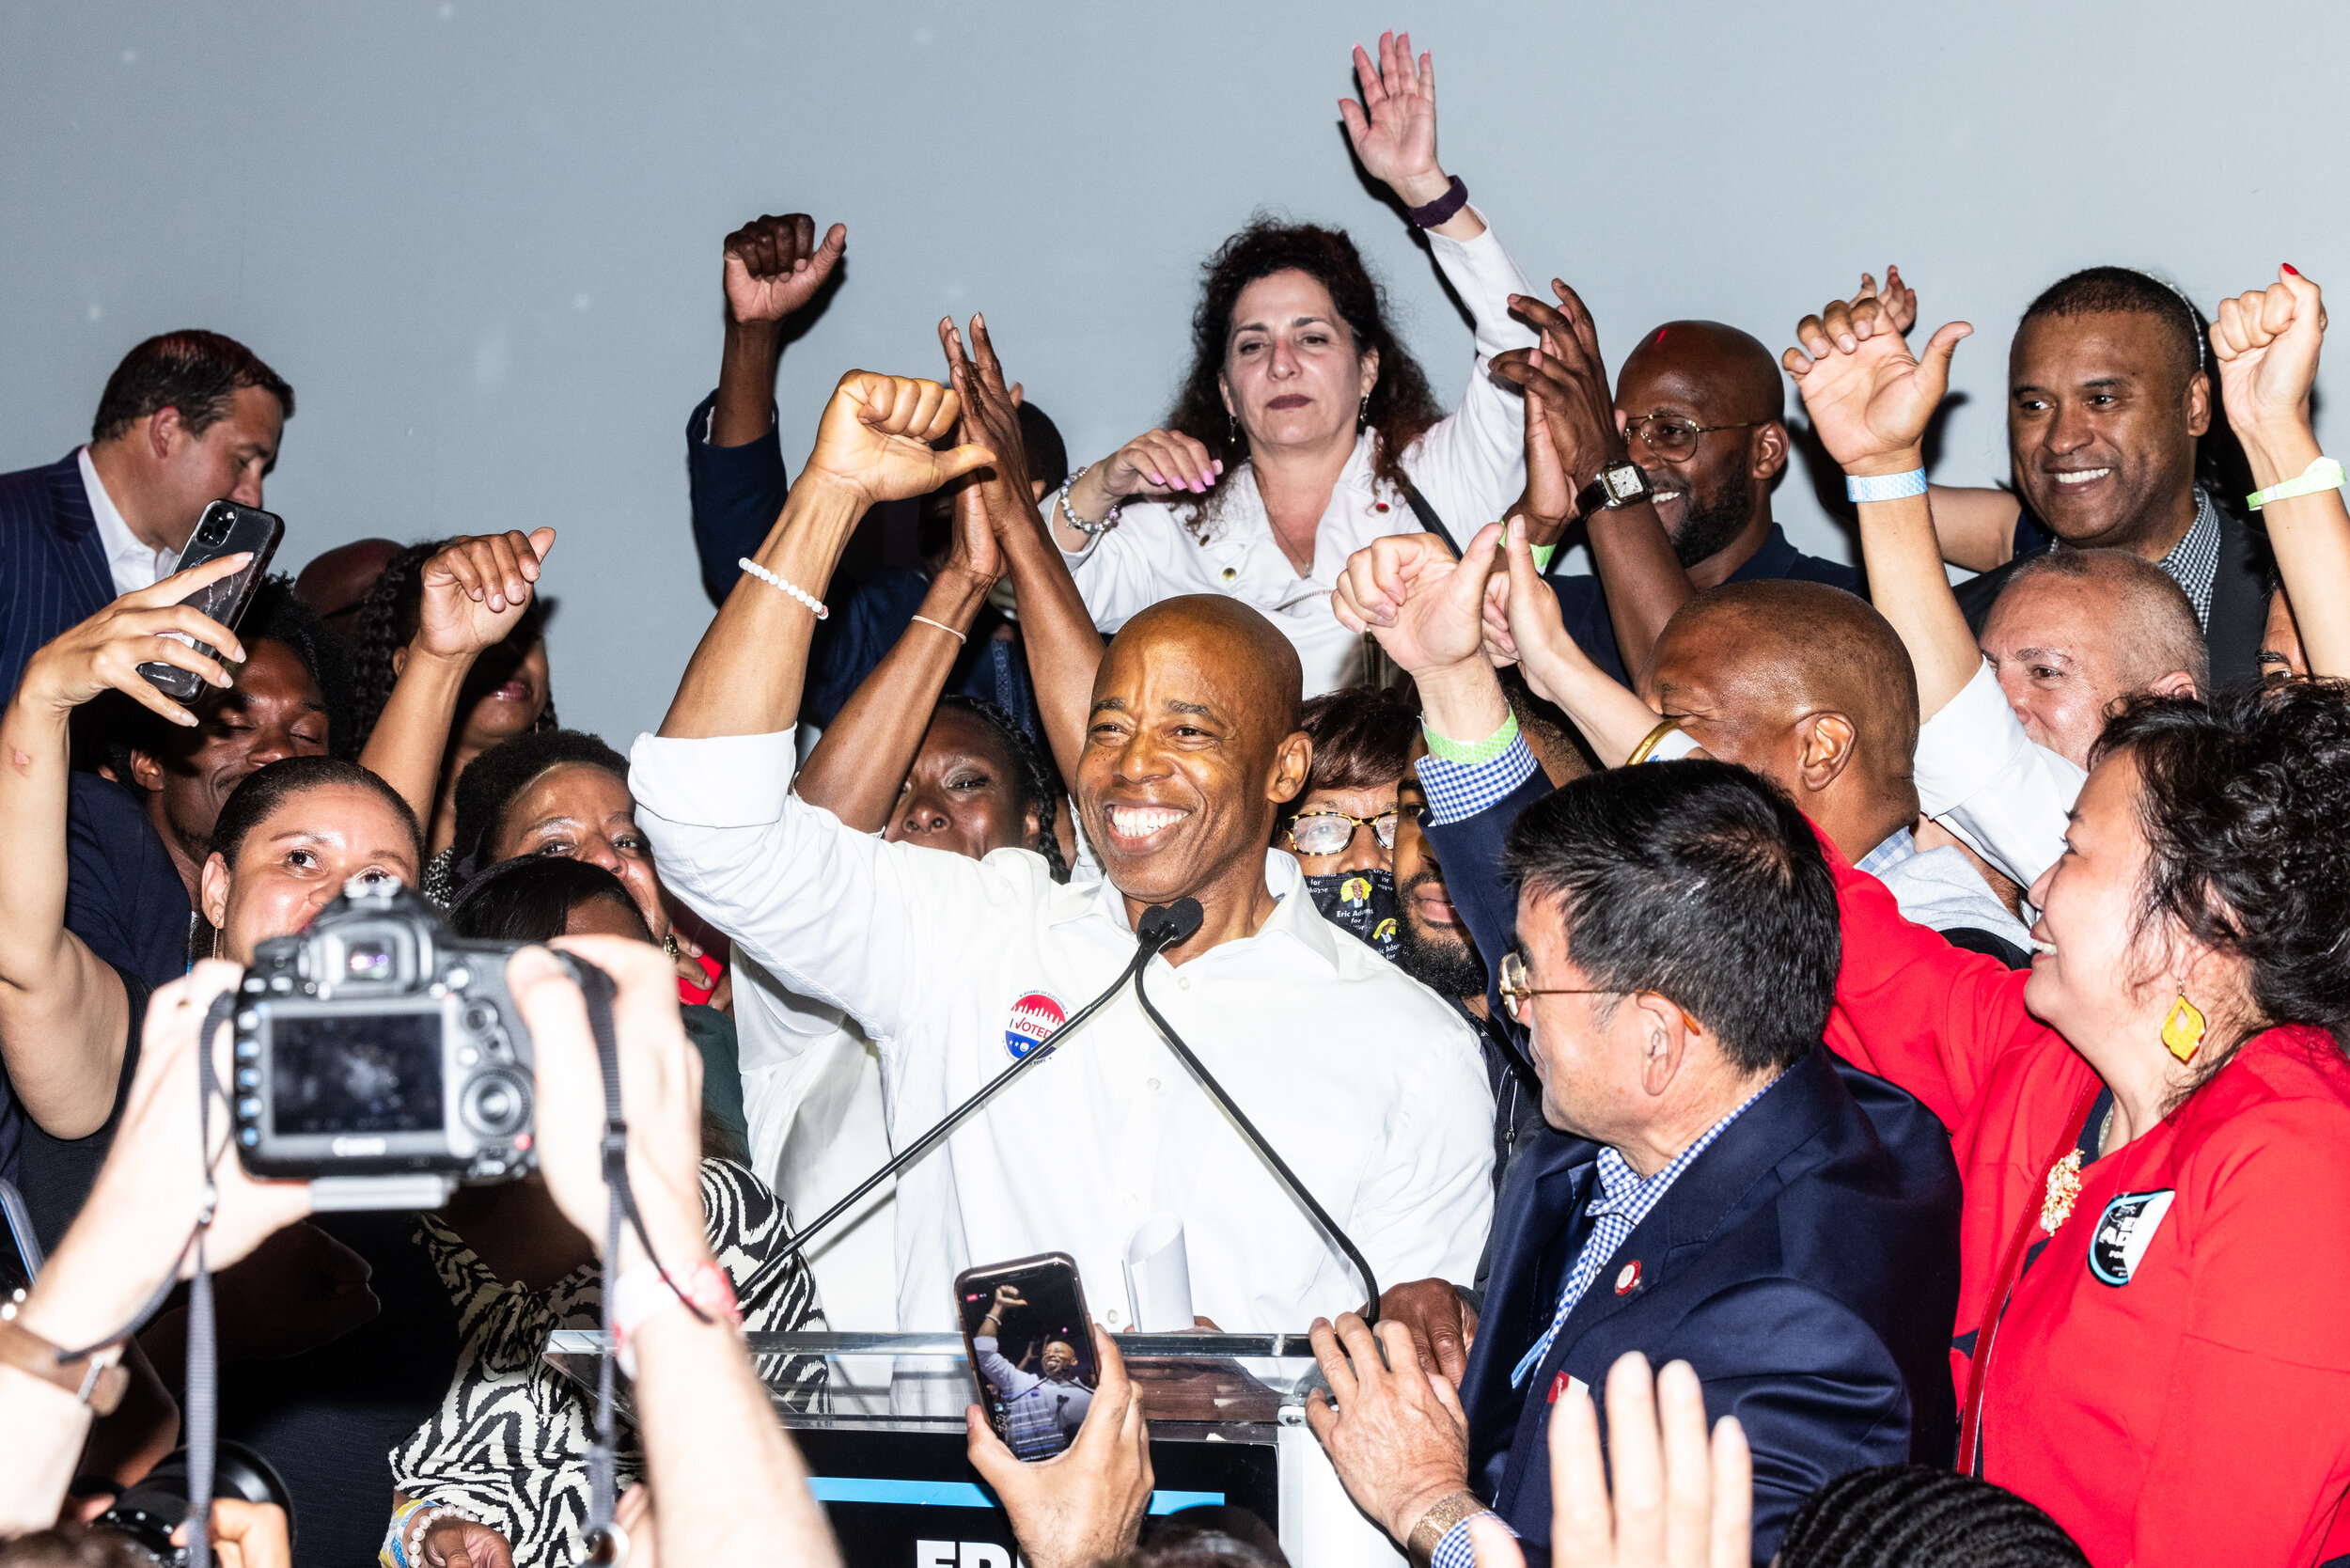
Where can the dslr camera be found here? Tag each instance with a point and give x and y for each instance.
(379, 1056)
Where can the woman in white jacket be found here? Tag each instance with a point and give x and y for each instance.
(1305, 430)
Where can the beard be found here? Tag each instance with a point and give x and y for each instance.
(1709, 522)
(1449, 968)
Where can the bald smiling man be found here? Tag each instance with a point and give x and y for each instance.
(1371, 1087)
(1704, 405)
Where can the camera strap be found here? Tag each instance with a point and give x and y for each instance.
(607, 1544)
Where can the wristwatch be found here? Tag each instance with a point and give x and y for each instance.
(1431, 1525)
(1619, 484)
(97, 1379)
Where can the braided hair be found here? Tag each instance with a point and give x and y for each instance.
(1922, 1516)
(387, 622)
(1039, 786)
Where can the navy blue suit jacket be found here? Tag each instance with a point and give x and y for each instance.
(1584, 605)
(738, 492)
(1806, 1264)
(52, 570)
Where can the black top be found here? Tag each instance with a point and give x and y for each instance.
(1584, 604)
(123, 896)
(56, 1174)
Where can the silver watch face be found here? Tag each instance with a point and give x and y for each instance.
(1625, 481)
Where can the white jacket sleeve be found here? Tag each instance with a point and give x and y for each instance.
(1124, 571)
(839, 917)
(1472, 463)
(1980, 776)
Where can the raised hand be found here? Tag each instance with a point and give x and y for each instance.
(145, 626)
(1161, 463)
(990, 418)
(2266, 341)
(1425, 608)
(1869, 397)
(1084, 1505)
(1007, 1297)
(1576, 400)
(1899, 299)
(1678, 1501)
(465, 1544)
(1394, 128)
(875, 438)
(476, 590)
(774, 265)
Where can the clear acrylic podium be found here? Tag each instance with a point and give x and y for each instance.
(884, 1437)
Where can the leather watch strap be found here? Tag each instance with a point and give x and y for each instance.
(97, 1379)
(1439, 1520)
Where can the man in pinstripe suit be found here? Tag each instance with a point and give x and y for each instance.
(186, 419)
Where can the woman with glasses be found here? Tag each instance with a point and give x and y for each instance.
(1303, 429)
(1342, 829)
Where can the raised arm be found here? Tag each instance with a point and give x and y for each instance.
(64, 1018)
(1642, 578)
(1394, 130)
(1063, 648)
(474, 591)
(874, 444)
(2266, 341)
(1870, 400)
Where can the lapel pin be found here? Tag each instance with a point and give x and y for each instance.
(1628, 1277)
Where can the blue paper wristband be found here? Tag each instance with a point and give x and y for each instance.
(1885, 487)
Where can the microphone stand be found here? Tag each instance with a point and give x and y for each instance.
(1157, 931)
(1248, 1129)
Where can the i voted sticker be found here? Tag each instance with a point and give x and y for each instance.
(1033, 1016)
(2125, 1231)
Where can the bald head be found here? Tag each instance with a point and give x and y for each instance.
(1192, 746)
(1738, 377)
(1808, 685)
(336, 584)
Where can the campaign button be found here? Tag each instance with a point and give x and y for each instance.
(1033, 1016)
(1627, 1278)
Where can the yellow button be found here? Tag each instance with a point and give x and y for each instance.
(1231, 572)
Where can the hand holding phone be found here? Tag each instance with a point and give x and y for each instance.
(225, 529)
(1031, 1347)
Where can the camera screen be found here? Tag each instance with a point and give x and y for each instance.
(1032, 1352)
(378, 1073)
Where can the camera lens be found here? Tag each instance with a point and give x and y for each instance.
(368, 961)
(498, 1105)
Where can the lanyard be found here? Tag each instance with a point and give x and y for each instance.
(1977, 1380)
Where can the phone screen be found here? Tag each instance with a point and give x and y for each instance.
(20, 1254)
(1031, 1349)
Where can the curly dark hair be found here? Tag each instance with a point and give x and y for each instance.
(1038, 785)
(1922, 1517)
(2246, 849)
(388, 619)
(487, 788)
(1401, 405)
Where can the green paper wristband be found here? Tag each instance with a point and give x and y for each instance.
(2322, 473)
(1480, 752)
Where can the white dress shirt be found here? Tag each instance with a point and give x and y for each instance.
(131, 560)
(1370, 1085)
(1980, 776)
(1468, 466)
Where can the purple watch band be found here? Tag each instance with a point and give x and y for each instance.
(1454, 198)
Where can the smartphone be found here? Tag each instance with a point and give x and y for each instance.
(225, 529)
(1031, 1347)
(19, 1250)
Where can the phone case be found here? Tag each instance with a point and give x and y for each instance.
(1057, 1267)
(225, 529)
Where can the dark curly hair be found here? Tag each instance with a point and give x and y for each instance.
(1922, 1517)
(487, 789)
(2247, 848)
(1401, 406)
(388, 621)
(1038, 786)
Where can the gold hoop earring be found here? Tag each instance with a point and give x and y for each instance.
(2183, 1029)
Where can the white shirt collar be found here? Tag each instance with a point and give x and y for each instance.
(1295, 917)
(130, 560)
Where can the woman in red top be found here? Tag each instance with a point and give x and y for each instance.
(2154, 1128)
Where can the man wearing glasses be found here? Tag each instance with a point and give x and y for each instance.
(1711, 1186)
(1701, 406)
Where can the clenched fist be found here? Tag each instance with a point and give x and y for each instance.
(876, 433)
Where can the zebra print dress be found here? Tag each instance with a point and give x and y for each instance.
(509, 1445)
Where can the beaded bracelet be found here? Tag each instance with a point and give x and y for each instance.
(815, 605)
(1109, 518)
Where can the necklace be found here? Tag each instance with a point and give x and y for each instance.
(2065, 1180)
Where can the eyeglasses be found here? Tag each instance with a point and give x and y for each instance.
(1518, 993)
(1671, 439)
(1330, 832)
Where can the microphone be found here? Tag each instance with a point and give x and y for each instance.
(1184, 914)
(1159, 928)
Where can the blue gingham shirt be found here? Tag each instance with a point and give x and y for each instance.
(1459, 790)
(1901, 846)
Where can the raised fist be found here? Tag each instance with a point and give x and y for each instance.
(2266, 342)
(774, 265)
(876, 433)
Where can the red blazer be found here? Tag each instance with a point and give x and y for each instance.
(2172, 1385)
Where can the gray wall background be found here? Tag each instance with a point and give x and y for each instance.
(482, 239)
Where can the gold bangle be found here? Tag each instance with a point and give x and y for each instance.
(1650, 741)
